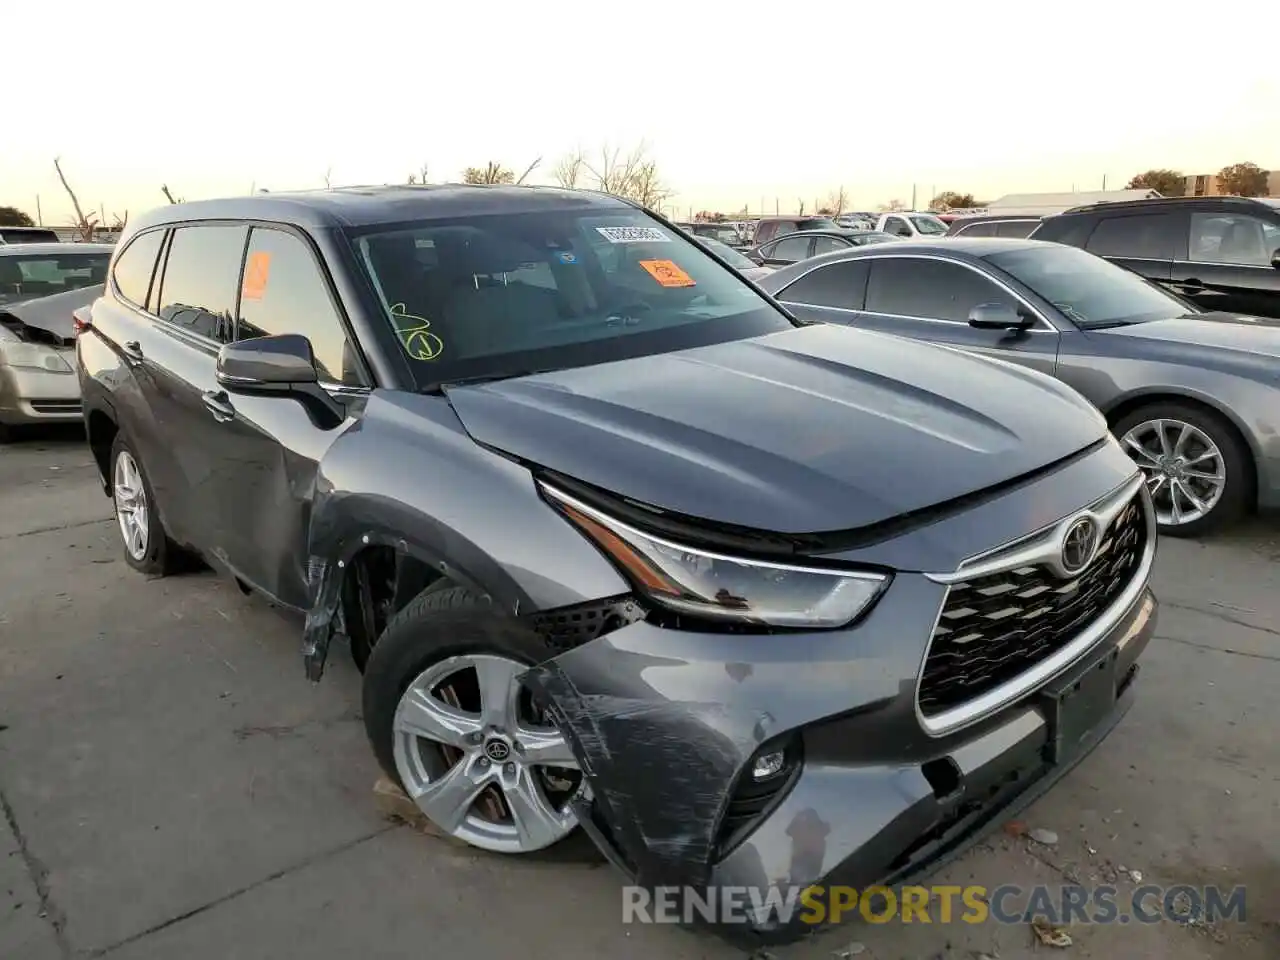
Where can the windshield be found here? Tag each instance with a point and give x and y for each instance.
(1090, 291)
(717, 231)
(727, 254)
(27, 276)
(27, 235)
(929, 226)
(504, 295)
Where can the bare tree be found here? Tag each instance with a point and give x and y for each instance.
(569, 170)
(327, 174)
(528, 170)
(492, 172)
(168, 194)
(419, 178)
(893, 206)
(633, 176)
(837, 200)
(801, 212)
(84, 225)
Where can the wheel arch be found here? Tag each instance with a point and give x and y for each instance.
(101, 429)
(1124, 405)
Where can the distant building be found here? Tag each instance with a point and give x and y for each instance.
(1206, 185)
(1047, 204)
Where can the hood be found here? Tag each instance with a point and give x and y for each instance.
(51, 314)
(814, 429)
(1255, 336)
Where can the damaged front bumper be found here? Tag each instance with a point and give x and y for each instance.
(669, 725)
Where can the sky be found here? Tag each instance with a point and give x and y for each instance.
(742, 104)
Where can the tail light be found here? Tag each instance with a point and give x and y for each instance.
(81, 320)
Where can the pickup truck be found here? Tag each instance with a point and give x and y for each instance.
(911, 226)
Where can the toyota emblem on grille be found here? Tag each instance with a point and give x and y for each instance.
(1079, 545)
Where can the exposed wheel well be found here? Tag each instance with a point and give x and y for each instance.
(102, 432)
(1123, 409)
(378, 583)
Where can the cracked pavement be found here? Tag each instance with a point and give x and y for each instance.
(172, 786)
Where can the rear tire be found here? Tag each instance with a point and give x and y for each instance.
(147, 547)
(1201, 474)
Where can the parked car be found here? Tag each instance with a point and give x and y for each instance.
(40, 285)
(994, 225)
(726, 233)
(856, 221)
(618, 543)
(17, 235)
(1192, 395)
(38, 384)
(767, 228)
(734, 258)
(1221, 252)
(911, 226)
(809, 243)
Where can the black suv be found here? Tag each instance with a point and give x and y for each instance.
(1223, 253)
(618, 543)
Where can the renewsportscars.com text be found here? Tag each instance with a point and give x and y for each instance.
(1009, 904)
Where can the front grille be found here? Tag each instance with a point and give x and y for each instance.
(995, 627)
(55, 406)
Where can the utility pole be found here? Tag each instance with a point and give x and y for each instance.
(777, 207)
(39, 214)
(1104, 182)
(913, 196)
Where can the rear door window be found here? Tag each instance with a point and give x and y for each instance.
(975, 230)
(791, 249)
(842, 285)
(1146, 237)
(136, 265)
(201, 277)
(827, 245)
(285, 291)
(1019, 229)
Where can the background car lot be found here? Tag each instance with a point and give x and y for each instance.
(172, 786)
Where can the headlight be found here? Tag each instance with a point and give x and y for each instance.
(33, 356)
(699, 583)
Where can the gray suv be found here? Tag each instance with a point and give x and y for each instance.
(618, 543)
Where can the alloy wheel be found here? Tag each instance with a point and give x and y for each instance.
(480, 760)
(1185, 470)
(131, 506)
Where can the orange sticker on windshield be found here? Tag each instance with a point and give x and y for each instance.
(256, 272)
(667, 273)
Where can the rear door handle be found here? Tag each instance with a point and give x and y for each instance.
(132, 350)
(219, 405)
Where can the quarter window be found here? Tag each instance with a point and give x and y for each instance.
(929, 289)
(136, 264)
(284, 291)
(1148, 237)
(842, 285)
(1231, 238)
(198, 290)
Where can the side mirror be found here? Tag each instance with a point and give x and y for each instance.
(998, 316)
(265, 364)
(1275, 258)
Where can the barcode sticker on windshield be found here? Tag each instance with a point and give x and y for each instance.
(633, 234)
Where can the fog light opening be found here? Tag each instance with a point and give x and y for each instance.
(768, 765)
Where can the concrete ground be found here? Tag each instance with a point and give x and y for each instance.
(172, 786)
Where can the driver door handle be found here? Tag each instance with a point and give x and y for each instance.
(219, 404)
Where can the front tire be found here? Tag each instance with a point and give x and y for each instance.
(1198, 470)
(449, 721)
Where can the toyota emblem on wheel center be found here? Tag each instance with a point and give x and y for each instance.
(1079, 544)
(497, 750)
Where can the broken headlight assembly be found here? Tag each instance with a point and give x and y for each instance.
(699, 583)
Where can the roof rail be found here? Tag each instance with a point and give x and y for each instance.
(1149, 201)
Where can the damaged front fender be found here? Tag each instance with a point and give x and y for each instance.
(407, 477)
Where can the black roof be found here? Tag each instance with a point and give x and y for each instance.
(365, 206)
(1215, 203)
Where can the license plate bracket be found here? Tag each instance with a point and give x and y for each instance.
(1076, 704)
